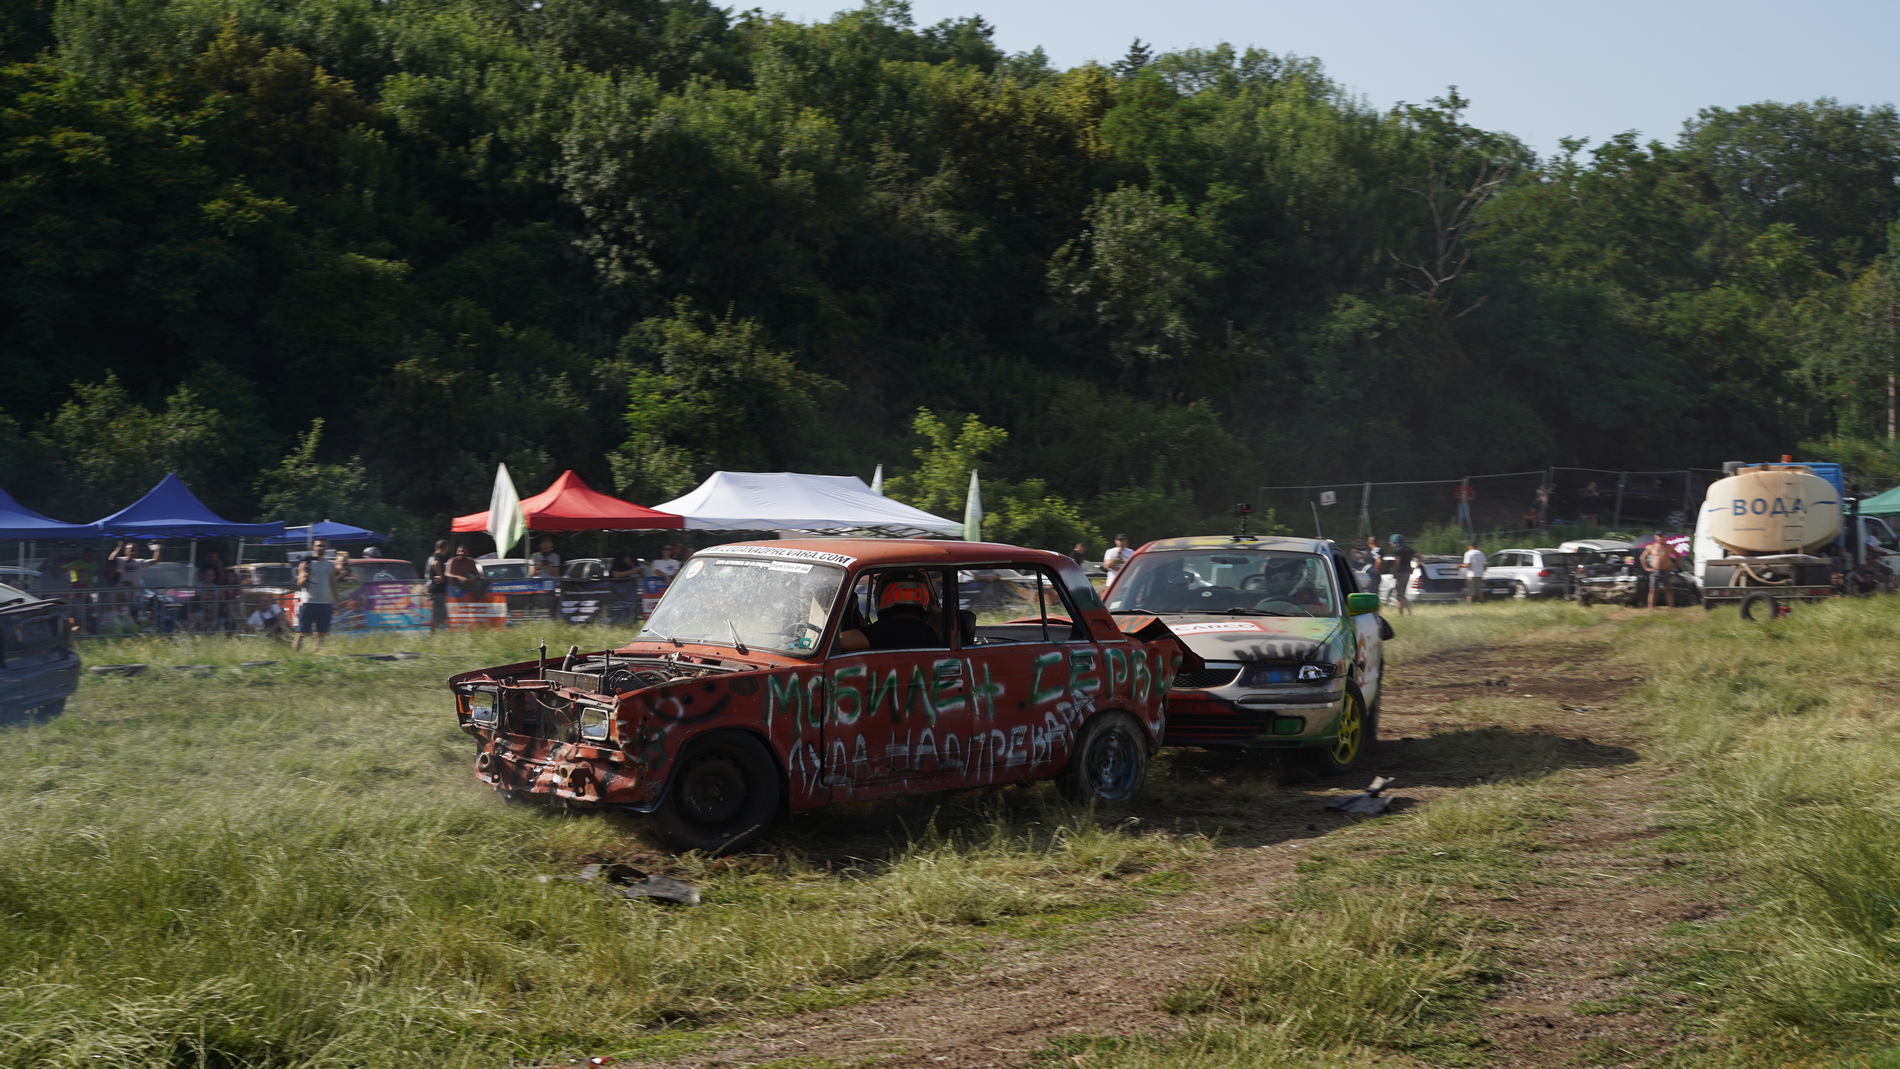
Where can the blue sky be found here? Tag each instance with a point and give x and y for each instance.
(1539, 70)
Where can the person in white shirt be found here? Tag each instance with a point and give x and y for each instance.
(316, 592)
(667, 566)
(1113, 560)
(1473, 567)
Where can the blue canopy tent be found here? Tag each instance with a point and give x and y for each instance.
(19, 522)
(170, 510)
(340, 534)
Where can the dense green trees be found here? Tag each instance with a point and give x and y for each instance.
(647, 238)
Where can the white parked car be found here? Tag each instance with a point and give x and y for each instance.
(1441, 579)
(1537, 573)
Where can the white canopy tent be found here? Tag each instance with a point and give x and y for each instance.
(788, 501)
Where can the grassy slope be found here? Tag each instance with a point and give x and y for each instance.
(293, 866)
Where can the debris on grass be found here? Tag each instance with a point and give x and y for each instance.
(116, 669)
(630, 883)
(1370, 801)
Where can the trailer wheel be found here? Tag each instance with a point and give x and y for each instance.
(723, 794)
(1760, 600)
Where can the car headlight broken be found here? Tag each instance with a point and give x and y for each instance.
(1314, 673)
(595, 721)
(483, 708)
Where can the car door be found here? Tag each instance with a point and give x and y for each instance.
(896, 721)
(1035, 672)
(1368, 652)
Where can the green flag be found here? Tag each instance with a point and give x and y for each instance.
(973, 511)
(505, 521)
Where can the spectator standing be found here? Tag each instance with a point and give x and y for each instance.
(1473, 567)
(1660, 562)
(126, 558)
(544, 563)
(668, 565)
(1404, 560)
(461, 568)
(221, 602)
(1464, 495)
(1591, 500)
(1374, 561)
(83, 572)
(316, 594)
(1080, 554)
(436, 568)
(1113, 560)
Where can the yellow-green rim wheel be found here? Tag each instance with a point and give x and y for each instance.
(1352, 731)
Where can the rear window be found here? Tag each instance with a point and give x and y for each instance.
(1560, 560)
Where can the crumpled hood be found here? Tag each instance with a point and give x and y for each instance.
(1258, 638)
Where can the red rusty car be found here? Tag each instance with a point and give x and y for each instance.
(780, 676)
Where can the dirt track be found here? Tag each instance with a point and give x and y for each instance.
(1569, 937)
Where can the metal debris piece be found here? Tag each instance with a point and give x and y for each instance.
(562, 1061)
(1368, 802)
(1498, 683)
(1576, 708)
(116, 669)
(257, 664)
(405, 655)
(374, 656)
(196, 669)
(629, 882)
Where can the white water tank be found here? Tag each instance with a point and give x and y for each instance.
(1774, 508)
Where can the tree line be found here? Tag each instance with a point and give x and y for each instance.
(340, 257)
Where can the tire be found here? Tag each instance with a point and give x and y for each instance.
(1359, 729)
(1520, 591)
(721, 796)
(1110, 762)
(1760, 600)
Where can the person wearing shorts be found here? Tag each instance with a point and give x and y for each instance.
(316, 594)
(1473, 568)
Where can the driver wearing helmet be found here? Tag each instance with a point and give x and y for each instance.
(903, 606)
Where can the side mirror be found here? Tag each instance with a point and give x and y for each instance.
(1361, 604)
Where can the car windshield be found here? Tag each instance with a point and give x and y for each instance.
(1217, 581)
(731, 601)
(1561, 560)
(505, 571)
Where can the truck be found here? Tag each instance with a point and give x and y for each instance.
(1770, 533)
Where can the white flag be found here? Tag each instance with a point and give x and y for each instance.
(505, 521)
(877, 481)
(973, 511)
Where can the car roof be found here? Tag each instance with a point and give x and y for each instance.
(1227, 542)
(876, 551)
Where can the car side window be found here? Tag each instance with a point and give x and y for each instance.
(1017, 603)
(899, 609)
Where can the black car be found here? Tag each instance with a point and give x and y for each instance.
(38, 667)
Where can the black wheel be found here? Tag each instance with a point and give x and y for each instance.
(723, 793)
(1520, 591)
(1760, 600)
(1358, 729)
(1110, 761)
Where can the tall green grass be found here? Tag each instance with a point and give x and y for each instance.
(293, 866)
(1793, 734)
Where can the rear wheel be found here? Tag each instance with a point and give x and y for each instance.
(1110, 762)
(1358, 729)
(722, 795)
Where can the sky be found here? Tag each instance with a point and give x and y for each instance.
(1540, 70)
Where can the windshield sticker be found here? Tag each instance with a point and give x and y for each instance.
(768, 565)
(1223, 625)
(787, 553)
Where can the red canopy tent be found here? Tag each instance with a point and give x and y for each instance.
(569, 505)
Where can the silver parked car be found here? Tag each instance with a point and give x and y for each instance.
(1537, 573)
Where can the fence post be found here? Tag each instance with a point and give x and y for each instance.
(1365, 511)
(1622, 479)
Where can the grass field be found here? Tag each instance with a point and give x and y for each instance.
(292, 866)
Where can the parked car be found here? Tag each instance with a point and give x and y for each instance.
(1441, 579)
(39, 669)
(787, 675)
(1605, 547)
(1536, 573)
(1293, 650)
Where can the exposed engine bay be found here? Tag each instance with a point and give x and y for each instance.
(609, 674)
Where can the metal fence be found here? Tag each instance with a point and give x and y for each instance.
(1513, 501)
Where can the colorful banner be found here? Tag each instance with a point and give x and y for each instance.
(476, 608)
